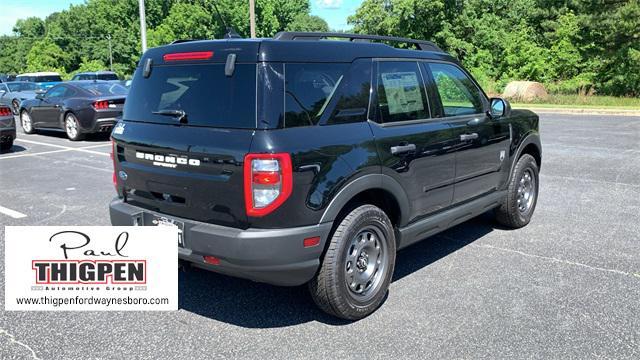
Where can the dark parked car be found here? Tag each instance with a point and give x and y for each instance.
(77, 107)
(7, 128)
(7, 78)
(96, 75)
(13, 93)
(300, 160)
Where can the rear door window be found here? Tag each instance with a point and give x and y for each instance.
(309, 88)
(202, 91)
(401, 93)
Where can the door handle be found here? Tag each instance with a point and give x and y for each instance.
(401, 149)
(467, 137)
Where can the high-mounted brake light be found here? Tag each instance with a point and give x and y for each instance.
(5, 111)
(101, 105)
(194, 55)
(268, 182)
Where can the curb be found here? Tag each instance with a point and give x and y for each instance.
(616, 112)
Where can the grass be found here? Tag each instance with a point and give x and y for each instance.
(581, 101)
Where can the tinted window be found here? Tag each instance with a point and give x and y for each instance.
(56, 91)
(47, 78)
(401, 94)
(308, 89)
(103, 89)
(457, 92)
(26, 86)
(203, 92)
(3, 87)
(107, 77)
(353, 101)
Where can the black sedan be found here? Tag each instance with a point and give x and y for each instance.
(76, 107)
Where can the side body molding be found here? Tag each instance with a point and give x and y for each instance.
(368, 182)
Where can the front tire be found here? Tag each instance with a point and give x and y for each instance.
(16, 106)
(520, 202)
(26, 122)
(72, 127)
(357, 268)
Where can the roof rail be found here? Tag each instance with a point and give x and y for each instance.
(180, 41)
(293, 35)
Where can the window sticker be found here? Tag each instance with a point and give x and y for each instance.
(403, 92)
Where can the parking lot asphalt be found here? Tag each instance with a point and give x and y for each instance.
(565, 286)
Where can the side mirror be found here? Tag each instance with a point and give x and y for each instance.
(40, 94)
(3, 93)
(499, 108)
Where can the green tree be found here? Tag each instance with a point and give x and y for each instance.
(45, 55)
(305, 22)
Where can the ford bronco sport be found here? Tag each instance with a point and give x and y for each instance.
(305, 159)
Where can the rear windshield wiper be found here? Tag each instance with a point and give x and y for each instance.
(179, 114)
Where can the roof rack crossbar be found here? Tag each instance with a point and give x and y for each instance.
(294, 35)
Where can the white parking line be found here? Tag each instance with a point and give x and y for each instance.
(14, 214)
(82, 149)
(33, 154)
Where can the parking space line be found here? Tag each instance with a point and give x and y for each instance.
(67, 147)
(33, 154)
(14, 214)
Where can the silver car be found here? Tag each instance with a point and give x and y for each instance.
(14, 92)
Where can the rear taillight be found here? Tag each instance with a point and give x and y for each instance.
(268, 182)
(101, 105)
(5, 111)
(113, 159)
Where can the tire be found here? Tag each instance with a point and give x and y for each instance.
(349, 284)
(72, 127)
(15, 104)
(520, 202)
(26, 122)
(5, 146)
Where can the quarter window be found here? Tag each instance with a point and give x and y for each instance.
(458, 94)
(401, 93)
(308, 90)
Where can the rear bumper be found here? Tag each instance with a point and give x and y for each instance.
(103, 123)
(7, 134)
(274, 256)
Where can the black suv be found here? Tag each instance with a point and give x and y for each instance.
(304, 159)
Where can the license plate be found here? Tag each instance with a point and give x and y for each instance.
(155, 220)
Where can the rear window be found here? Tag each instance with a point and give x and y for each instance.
(98, 89)
(203, 92)
(107, 77)
(48, 78)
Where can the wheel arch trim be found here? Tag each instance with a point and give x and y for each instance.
(531, 138)
(364, 183)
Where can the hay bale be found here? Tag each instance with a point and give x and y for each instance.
(525, 90)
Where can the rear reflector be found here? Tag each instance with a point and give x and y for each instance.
(211, 260)
(5, 111)
(312, 241)
(195, 55)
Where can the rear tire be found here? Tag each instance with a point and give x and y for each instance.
(520, 202)
(26, 122)
(357, 268)
(6, 146)
(72, 127)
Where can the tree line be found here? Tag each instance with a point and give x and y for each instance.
(572, 46)
(77, 39)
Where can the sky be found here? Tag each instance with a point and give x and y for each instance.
(335, 12)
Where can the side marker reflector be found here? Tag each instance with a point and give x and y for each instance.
(312, 241)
